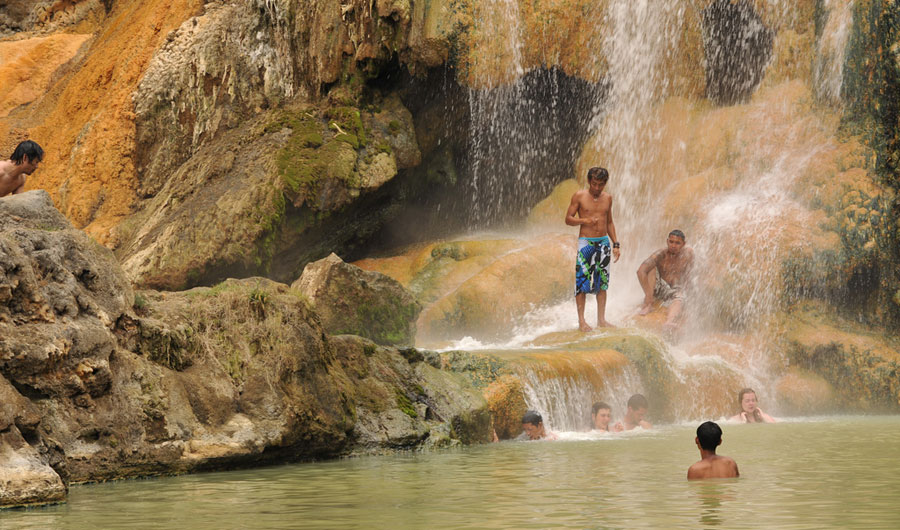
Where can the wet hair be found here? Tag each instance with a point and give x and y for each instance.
(533, 417)
(709, 434)
(599, 405)
(638, 401)
(743, 391)
(598, 173)
(677, 233)
(27, 148)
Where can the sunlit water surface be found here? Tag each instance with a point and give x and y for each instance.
(836, 472)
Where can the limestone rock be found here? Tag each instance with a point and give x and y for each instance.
(25, 479)
(860, 369)
(352, 301)
(805, 393)
(403, 402)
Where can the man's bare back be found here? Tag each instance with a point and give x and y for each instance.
(23, 162)
(10, 182)
(714, 466)
(711, 465)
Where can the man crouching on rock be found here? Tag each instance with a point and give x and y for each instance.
(672, 267)
(23, 161)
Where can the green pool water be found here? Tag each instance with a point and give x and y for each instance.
(835, 472)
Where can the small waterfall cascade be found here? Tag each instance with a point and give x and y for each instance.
(828, 65)
(725, 170)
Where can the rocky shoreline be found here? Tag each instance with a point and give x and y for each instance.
(100, 383)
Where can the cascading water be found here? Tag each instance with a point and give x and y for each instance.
(724, 174)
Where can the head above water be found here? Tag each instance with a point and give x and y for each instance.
(533, 425)
(747, 399)
(597, 173)
(28, 149)
(675, 242)
(638, 401)
(601, 414)
(709, 436)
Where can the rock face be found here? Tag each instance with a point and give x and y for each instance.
(98, 383)
(353, 301)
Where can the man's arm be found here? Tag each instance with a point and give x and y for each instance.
(650, 263)
(611, 230)
(574, 205)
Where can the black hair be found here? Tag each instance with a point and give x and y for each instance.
(27, 148)
(638, 401)
(709, 434)
(599, 405)
(598, 173)
(677, 233)
(533, 417)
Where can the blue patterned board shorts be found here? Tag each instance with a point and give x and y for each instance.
(592, 265)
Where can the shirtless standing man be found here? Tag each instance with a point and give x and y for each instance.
(673, 267)
(596, 237)
(23, 161)
(711, 465)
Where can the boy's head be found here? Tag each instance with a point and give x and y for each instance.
(533, 425)
(601, 414)
(709, 436)
(637, 407)
(597, 173)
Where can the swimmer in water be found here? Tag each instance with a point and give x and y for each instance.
(634, 416)
(750, 411)
(533, 425)
(711, 465)
(601, 414)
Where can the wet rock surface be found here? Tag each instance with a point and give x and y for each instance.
(350, 300)
(101, 383)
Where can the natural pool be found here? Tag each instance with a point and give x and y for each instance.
(834, 472)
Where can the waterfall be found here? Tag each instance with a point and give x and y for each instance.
(828, 65)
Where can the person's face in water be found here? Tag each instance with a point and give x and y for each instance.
(534, 432)
(638, 414)
(674, 244)
(601, 420)
(595, 186)
(748, 403)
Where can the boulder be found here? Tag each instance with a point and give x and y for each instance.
(353, 301)
(25, 478)
(97, 383)
(403, 402)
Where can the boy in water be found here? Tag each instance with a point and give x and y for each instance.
(711, 465)
(591, 209)
(601, 413)
(634, 416)
(533, 425)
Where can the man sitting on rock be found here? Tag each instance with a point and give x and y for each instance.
(533, 425)
(672, 267)
(23, 161)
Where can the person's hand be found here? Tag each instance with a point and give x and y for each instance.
(744, 417)
(618, 427)
(616, 254)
